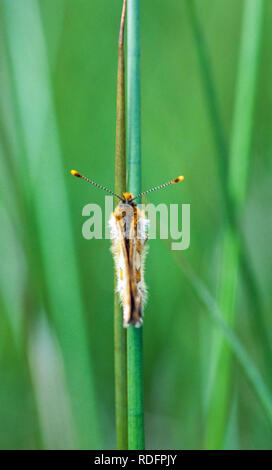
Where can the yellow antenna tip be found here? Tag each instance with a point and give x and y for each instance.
(178, 179)
(75, 173)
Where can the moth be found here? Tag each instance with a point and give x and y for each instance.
(129, 227)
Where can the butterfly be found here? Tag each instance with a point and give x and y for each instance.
(129, 236)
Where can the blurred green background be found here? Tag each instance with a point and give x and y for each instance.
(57, 112)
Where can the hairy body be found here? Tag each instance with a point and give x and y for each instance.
(129, 236)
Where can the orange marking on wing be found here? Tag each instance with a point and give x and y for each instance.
(135, 218)
(138, 275)
(121, 274)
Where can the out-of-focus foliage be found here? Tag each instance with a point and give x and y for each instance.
(57, 112)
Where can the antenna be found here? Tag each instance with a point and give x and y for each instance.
(176, 180)
(78, 175)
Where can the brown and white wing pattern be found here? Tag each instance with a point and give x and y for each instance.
(129, 237)
(137, 263)
(120, 257)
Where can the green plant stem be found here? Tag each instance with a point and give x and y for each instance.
(120, 334)
(239, 161)
(134, 339)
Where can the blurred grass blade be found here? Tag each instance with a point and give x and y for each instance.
(239, 161)
(232, 440)
(40, 151)
(134, 335)
(210, 91)
(19, 409)
(245, 99)
(229, 335)
(257, 318)
(13, 266)
(120, 333)
(51, 392)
